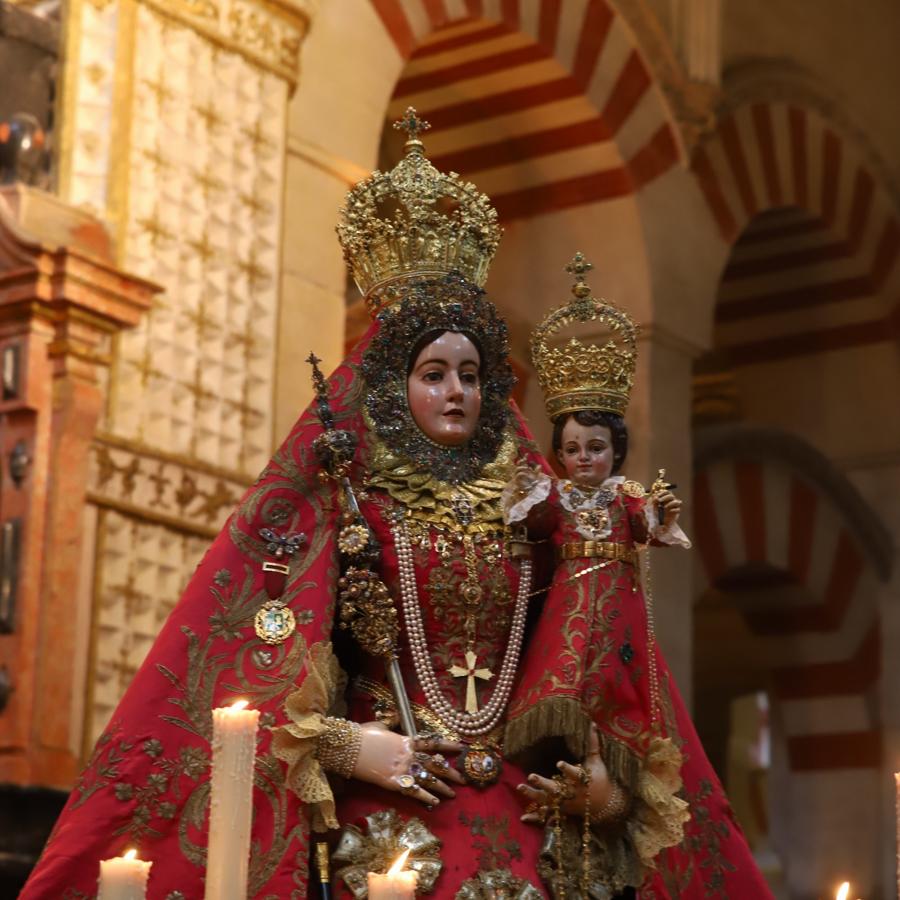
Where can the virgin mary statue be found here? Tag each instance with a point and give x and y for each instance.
(367, 597)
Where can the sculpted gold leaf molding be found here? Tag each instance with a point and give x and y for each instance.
(268, 33)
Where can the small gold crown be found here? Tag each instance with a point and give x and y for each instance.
(578, 376)
(415, 220)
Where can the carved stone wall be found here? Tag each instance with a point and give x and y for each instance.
(174, 122)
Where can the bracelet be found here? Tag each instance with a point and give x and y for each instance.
(338, 746)
(615, 806)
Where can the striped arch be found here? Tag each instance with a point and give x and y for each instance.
(544, 105)
(773, 515)
(815, 239)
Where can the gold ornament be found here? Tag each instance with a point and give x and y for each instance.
(415, 220)
(375, 849)
(577, 376)
(274, 622)
(633, 489)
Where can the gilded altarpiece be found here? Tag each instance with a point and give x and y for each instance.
(174, 119)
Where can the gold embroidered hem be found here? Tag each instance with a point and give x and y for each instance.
(296, 743)
(658, 815)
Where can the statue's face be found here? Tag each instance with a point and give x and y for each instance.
(586, 453)
(444, 390)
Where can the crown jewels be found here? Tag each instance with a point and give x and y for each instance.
(415, 220)
(576, 375)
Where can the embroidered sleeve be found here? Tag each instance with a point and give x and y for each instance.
(664, 534)
(297, 742)
(519, 496)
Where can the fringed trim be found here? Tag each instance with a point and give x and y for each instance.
(622, 763)
(658, 815)
(553, 717)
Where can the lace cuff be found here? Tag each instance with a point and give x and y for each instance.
(665, 534)
(658, 815)
(297, 742)
(518, 503)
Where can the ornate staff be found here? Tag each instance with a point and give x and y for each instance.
(366, 606)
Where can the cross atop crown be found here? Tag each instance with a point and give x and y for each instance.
(578, 268)
(412, 124)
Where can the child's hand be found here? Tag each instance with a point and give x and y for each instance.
(670, 506)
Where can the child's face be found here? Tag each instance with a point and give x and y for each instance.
(586, 453)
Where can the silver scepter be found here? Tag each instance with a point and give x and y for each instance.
(366, 606)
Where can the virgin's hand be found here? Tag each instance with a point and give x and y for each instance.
(575, 790)
(390, 761)
(671, 507)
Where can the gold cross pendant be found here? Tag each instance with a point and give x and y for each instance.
(469, 671)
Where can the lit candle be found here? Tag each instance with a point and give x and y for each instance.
(397, 884)
(231, 801)
(124, 877)
(842, 891)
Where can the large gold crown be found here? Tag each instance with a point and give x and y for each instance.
(415, 220)
(576, 376)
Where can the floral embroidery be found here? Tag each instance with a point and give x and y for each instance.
(706, 835)
(490, 835)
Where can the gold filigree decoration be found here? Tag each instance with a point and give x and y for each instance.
(439, 224)
(497, 884)
(431, 500)
(580, 376)
(376, 849)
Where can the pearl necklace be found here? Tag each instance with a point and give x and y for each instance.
(485, 719)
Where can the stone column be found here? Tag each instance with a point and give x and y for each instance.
(62, 302)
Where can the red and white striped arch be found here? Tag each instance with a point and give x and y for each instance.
(815, 261)
(544, 104)
(774, 518)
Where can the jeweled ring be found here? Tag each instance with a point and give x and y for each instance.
(421, 774)
(562, 788)
(440, 762)
(583, 775)
(430, 739)
(407, 784)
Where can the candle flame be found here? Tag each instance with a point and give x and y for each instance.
(131, 854)
(400, 862)
(843, 890)
(239, 705)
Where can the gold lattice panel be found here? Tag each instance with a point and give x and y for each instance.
(204, 201)
(86, 135)
(142, 569)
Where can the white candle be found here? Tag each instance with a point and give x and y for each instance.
(397, 884)
(124, 877)
(231, 801)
